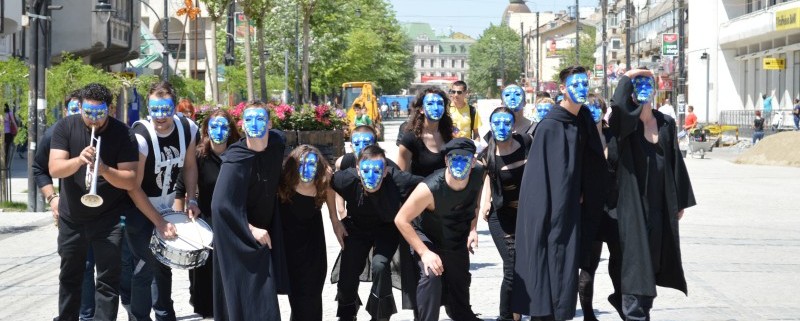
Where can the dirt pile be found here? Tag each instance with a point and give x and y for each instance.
(782, 149)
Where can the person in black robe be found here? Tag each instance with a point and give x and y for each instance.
(439, 222)
(217, 132)
(505, 159)
(605, 231)
(304, 187)
(653, 189)
(249, 262)
(374, 193)
(562, 179)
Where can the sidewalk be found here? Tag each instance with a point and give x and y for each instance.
(740, 250)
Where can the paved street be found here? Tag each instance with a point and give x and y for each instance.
(740, 253)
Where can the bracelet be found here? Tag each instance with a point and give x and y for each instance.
(193, 201)
(51, 197)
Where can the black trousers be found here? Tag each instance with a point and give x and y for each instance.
(450, 289)
(607, 232)
(201, 291)
(384, 237)
(74, 239)
(501, 226)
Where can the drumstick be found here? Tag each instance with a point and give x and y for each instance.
(197, 229)
(193, 242)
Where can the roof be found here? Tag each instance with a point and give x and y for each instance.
(416, 30)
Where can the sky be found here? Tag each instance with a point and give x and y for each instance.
(468, 16)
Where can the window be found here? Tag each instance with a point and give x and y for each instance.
(422, 63)
(452, 63)
(772, 2)
(613, 55)
(462, 63)
(431, 61)
(463, 49)
(796, 71)
(616, 43)
(432, 48)
(612, 20)
(442, 63)
(452, 48)
(758, 4)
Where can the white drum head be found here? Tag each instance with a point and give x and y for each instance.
(193, 235)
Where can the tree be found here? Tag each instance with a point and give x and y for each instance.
(216, 10)
(494, 56)
(307, 9)
(256, 10)
(587, 49)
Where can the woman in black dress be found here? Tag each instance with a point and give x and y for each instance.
(304, 187)
(505, 159)
(420, 150)
(217, 132)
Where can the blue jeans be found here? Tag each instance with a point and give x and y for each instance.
(796, 122)
(87, 289)
(757, 135)
(150, 281)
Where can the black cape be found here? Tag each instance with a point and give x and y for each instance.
(247, 275)
(565, 163)
(627, 158)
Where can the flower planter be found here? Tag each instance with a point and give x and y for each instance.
(329, 142)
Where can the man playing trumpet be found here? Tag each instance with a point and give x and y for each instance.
(72, 153)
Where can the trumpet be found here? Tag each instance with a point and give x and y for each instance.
(91, 199)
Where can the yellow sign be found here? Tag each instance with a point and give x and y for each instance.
(774, 64)
(787, 19)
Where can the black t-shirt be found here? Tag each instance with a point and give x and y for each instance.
(369, 209)
(423, 161)
(169, 149)
(207, 174)
(118, 145)
(448, 225)
(758, 123)
(41, 166)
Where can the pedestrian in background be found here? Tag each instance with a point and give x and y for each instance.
(10, 130)
(758, 128)
(796, 113)
(466, 120)
(767, 114)
(361, 116)
(186, 108)
(691, 119)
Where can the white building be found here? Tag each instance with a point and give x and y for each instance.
(737, 36)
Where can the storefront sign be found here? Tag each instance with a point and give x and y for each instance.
(774, 64)
(787, 19)
(669, 44)
(598, 71)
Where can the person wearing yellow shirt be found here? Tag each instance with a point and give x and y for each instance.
(466, 120)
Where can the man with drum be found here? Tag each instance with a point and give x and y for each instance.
(166, 145)
(80, 226)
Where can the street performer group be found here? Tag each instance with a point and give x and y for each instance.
(228, 200)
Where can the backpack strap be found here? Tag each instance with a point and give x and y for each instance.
(472, 112)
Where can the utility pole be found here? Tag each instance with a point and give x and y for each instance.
(286, 75)
(577, 33)
(538, 45)
(522, 51)
(297, 52)
(165, 30)
(681, 57)
(230, 55)
(604, 7)
(34, 7)
(628, 34)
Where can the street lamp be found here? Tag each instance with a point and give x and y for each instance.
(705, 56)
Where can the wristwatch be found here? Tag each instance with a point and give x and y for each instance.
(193, 201)
(51, 197)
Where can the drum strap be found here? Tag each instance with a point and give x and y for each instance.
(161, 160)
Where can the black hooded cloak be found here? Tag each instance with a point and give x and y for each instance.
(247, 275)
(626, 155)
(562, 179)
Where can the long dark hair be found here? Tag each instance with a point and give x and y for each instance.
(445, 124)
(490, 151)
(204, 148)
(290, 177)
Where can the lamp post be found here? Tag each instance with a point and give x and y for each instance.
(263, 73)
(705, 56)
(164, 29)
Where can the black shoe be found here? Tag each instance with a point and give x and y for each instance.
(616, 302)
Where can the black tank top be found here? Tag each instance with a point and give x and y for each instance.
(511, 179)
(170, 149)
(448, 225)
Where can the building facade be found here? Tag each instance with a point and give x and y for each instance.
(744, 50)
(437, 59)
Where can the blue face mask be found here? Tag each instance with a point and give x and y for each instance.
(161, 108)
(433, 104)
(359, 140)
(255, 122)
(502, 123)
(597, 111)
(578, 88)
(95, 112)
(514, 98)
(542, 110)
(371, 172)
(460, 166)
(308, 167)
(218, 129)
(643, 87)
(73, 108)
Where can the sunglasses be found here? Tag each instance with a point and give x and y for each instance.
(456, 92)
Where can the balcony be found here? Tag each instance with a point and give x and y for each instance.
(754, 26)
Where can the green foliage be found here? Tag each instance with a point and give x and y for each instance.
(216, 8)
(486, 63)
(587, 48)
(193, 89)
(72, 74)
(9, 206)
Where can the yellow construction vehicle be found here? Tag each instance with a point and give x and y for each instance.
(363, 94)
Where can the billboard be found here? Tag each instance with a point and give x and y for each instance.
(555, 44)
(439, 78)
(669, 44)
(239, 19)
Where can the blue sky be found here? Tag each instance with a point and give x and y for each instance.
(468, 16)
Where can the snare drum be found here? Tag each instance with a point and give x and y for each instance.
(188, 251)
